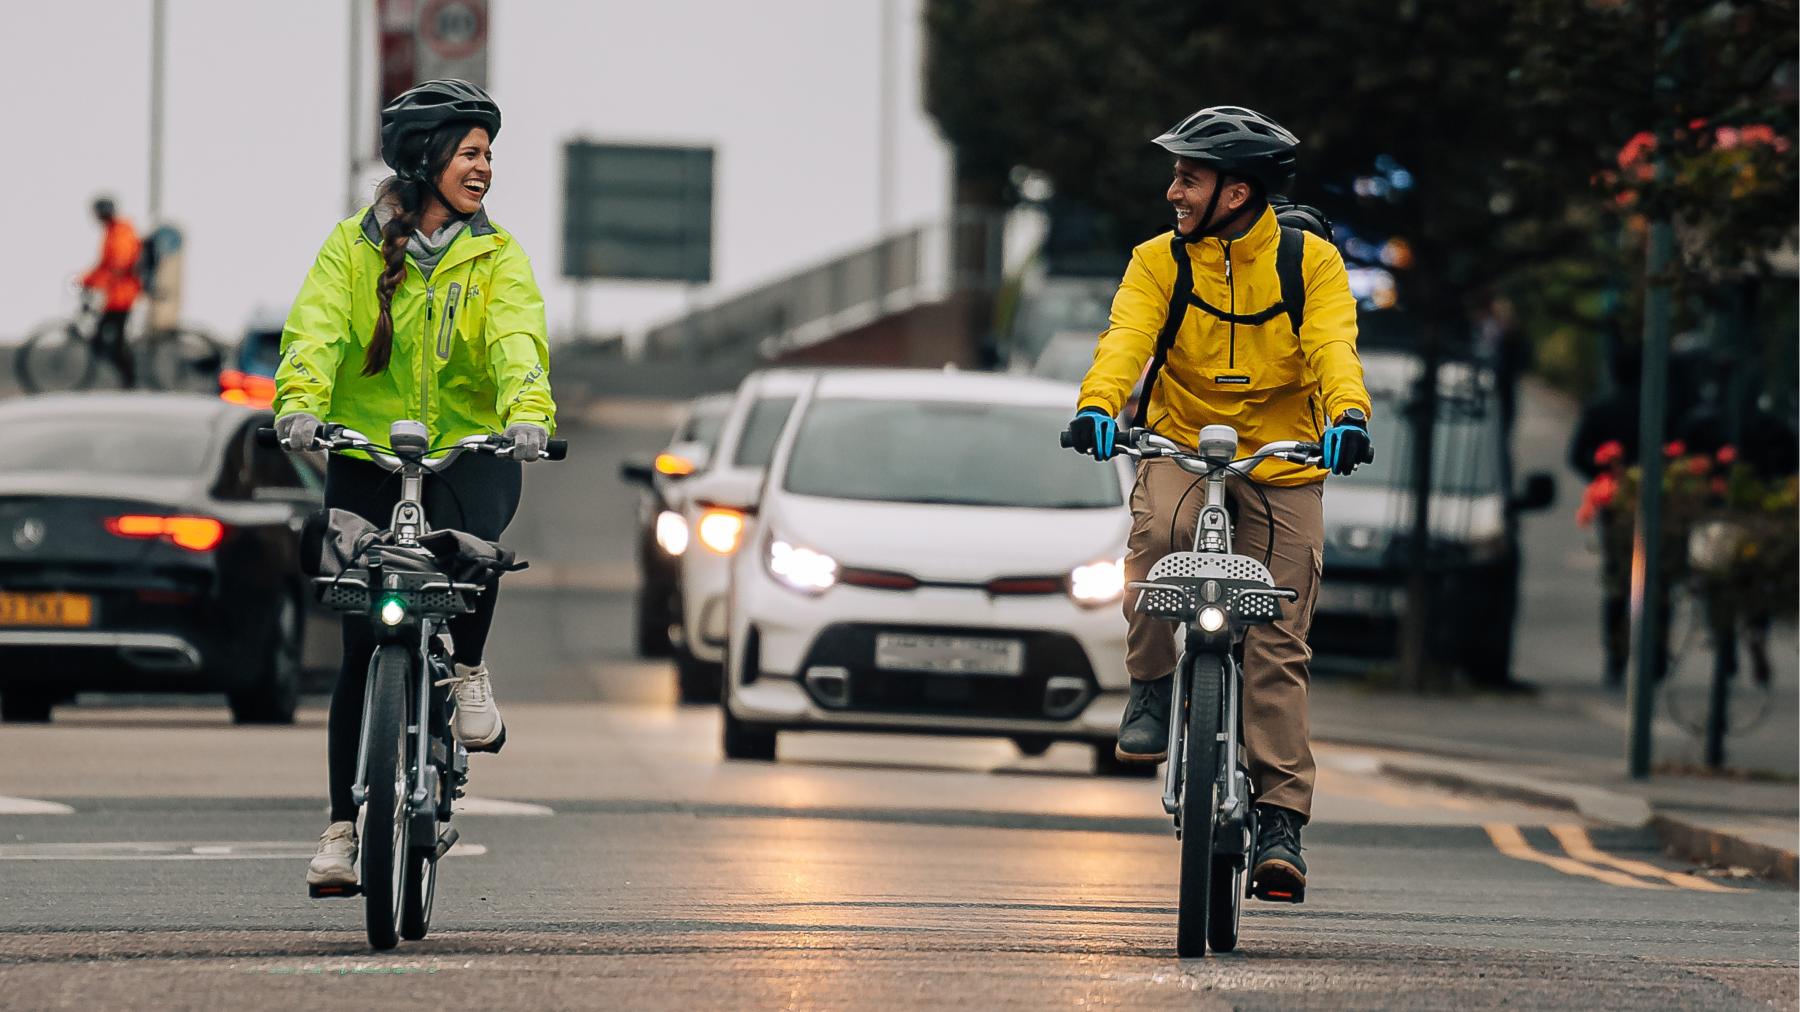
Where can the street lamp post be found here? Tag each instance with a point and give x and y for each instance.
(158, 18)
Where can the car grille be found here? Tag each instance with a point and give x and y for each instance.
(1048, 655)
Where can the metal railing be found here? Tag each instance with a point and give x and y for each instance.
(907, 269)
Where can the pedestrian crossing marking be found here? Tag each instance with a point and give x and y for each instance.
(1509, 841)
(1575, 840)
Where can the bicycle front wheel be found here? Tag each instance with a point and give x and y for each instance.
(182, 360)
(384, 835)
(53, 358)
(1199, 801)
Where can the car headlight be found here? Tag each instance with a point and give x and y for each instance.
(672, 532)
(392, 611)
(721, 530)
(801, 569)
(1211, 618)
(1098, 582)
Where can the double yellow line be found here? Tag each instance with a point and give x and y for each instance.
(1588, 861)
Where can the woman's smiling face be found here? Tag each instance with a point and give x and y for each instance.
(465, 180)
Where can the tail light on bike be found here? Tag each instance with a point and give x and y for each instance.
(196, 534)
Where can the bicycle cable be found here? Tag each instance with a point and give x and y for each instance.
(1268, 513)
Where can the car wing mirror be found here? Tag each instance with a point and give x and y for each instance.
(1538, 494)
(636, 472)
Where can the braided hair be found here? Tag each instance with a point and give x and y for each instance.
(410, 196)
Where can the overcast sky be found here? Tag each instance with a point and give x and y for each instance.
(255, 135)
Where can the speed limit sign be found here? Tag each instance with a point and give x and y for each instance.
(453, 37)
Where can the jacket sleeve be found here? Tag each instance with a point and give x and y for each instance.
(1328, 333)
(518, 355)
(118, 255)
(317, 333)
(1139, 309)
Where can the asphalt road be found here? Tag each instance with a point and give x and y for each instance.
(153, 857)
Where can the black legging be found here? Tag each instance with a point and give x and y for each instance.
(478, 494)
(110, 337)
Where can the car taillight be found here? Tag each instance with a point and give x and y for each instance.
(196, 534)
(240, 387)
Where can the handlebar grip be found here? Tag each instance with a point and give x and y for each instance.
(556, 449)
(265, 436)
(1368, 456)
(1068, 440)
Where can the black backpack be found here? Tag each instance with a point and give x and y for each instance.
(1295, 220)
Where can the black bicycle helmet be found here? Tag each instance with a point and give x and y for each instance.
(417, 111)
(1237, 141)
(104, 206)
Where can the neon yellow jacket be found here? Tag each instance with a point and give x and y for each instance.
(1261, 379)
(468, 355)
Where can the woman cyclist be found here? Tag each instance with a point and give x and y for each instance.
(419, 307)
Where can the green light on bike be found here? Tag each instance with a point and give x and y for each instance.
(392, 611)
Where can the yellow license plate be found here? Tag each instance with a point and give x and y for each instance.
(62, 610)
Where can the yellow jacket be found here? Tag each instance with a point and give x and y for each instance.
(1260, 379)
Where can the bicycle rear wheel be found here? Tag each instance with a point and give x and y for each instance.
(181, 360)
(1199, 802)
(384, 835)
(54, 357)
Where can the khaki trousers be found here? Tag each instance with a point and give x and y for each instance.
(1275, 655)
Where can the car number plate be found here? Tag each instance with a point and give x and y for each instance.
(949, 655)
(61, 610)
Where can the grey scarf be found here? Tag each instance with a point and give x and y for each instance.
(426, 250)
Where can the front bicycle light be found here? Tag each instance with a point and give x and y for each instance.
(1211, 618)
(391, 611)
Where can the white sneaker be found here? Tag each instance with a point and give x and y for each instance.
(477, 722)
(334, 865)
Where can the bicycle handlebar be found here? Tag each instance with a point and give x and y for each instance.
(337, 437)
(1131, 443)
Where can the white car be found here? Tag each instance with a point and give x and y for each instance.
(715, 525)
(926, 558)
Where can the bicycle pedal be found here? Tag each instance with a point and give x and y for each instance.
(1282, 893)
(333, 892)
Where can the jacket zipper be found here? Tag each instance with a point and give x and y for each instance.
(449, 325)
(425, 363)
(1312, 409)
(1231, 291)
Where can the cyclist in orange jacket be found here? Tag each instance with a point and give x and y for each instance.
(114, 280)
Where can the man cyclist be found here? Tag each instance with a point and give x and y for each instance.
(114, 280)
(1235, 355)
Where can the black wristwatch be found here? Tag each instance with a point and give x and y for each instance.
(1354, 416)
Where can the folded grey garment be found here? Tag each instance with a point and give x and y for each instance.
(469, 559)
(335, 540)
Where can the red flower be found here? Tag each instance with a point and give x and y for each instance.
(1698, 465)
(1727, 455)
(1610, 452)
(1675, 449)
(1720, 486)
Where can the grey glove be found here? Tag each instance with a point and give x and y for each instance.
(298, 430)
(528, 440)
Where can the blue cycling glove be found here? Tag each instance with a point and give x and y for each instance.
(1347, 443)
(1095, 432)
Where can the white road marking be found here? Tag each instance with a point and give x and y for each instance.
(491, 806)
(255, 850)
(32, 806)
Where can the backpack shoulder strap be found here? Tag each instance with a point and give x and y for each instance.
(1179, 298)
(1288, 257)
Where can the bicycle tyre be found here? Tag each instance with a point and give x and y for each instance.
(385, 819)
(54, 357)
(1199, 803)
(183, 359)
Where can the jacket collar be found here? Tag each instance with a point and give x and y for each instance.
(1264, 235)
(479, 225)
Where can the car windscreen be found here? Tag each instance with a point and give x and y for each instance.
(1466, 445)
(947, 452)
(757, 442)
(145, 447)
(703, 427)
(260, 352)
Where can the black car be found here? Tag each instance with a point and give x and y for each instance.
(662, 533)
(148, 544)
